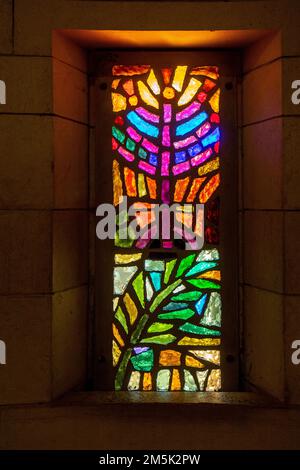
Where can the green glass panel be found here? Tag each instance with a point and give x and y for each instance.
(137, 332)
(169, 268)
(175, 306)
(118, 134)
(180, 314)
(121, 317)
(192, 295)
(203, 284)
(138, 285)
(163, 380)
(130, 145)
(157, 327)
(212, 314)
(154, 265)
(142, 153)
(122, 369)
(143, 361)
(189, 382)
(163, 294)
(200, 267)
(208, 255)
(160, 339)
(185, 263)
(199, 330)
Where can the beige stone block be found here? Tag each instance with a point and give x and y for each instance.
(6, 27)
(291, 167)
(25, 326)
(263, 249)
(262, 93)
(262, 51)
(70, 92)
(292, 252)
(26, 162)
(70, 164)
(28, 84)
(262, 165)
(70, 249)
(292, 333)
(64, 49)
(69, 339)
(263, 337)
(25, 246)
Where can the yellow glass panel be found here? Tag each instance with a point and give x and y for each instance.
(147, 381)
(175, 384)
(210, 356)
(169, 93)
(116, 352)
(168, 357)
(179, 75)
(180, 188)
(214, 381)
(133, 100)
(119, 102)
(125, 259)
(185, 219)
(131, 308)
(117, 335)
(189, 92)
(211, 275)
(192, 362)
(147, 96)
(208, 167)
(141, 185)
(153, 83)
(214, 101)
(186, 340)
(118, 191)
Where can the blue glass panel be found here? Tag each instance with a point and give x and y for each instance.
(153, 159)
(156, 280)
(142, 125)
(190, 125)
(194, 150)
(211, 138)
(180, 156)
(200, 304)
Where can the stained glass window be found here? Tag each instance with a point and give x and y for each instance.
(167, 301)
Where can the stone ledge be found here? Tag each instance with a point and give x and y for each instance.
(98, 398)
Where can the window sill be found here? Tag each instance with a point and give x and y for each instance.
(98, 398)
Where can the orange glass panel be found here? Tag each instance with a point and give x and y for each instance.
(151, 187)
(194, 189)
(211, 72)
(117, 182)
(180, 188)
(128, 87)
(130, 182)
(175, 384)
(130, 69)
(168, 357)
(209, 188)
(115, 83)
(147, 381)
(212, 275)
(166, 73)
